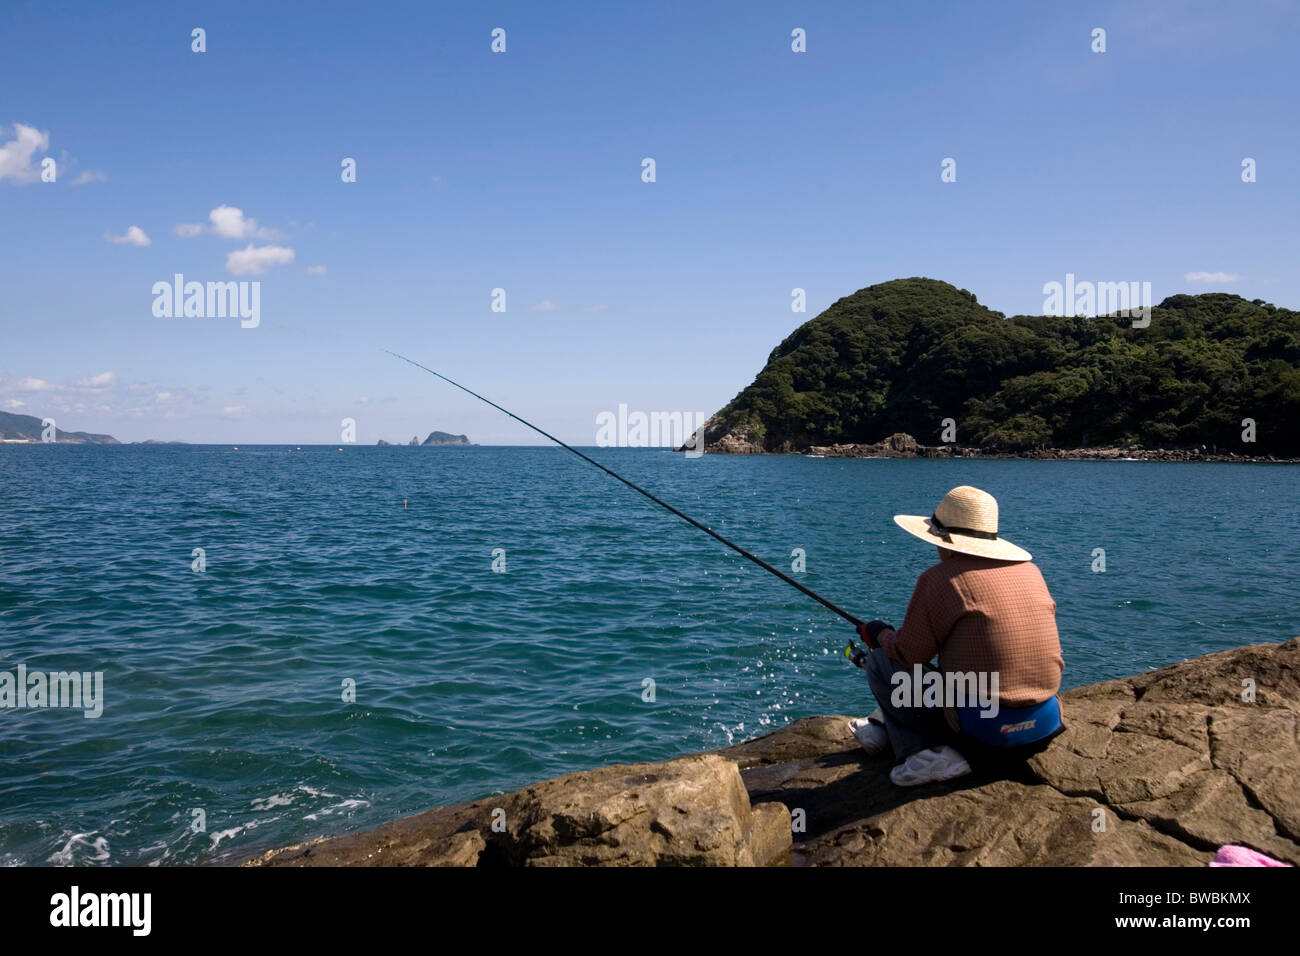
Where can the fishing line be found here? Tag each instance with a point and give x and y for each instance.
(635, 487)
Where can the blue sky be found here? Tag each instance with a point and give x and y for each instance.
(774, 170)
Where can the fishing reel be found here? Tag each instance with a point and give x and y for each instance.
(870, 634)
(857, 654)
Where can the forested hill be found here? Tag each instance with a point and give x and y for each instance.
(904, 355)
(28, 428)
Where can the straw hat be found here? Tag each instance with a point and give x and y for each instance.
(966, 521)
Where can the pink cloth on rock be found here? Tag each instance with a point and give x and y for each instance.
(1233, 855)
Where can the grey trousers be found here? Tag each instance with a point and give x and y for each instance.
(911, 729)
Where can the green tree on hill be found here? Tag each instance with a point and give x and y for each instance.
(904, 355)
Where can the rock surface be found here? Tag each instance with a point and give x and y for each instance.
(901, 445)
(1154, 770)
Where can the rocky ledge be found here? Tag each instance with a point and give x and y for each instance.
(903, 445)
(1154, 770)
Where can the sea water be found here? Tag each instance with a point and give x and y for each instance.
(299, 642)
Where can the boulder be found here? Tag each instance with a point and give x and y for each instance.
(692, 811)
(897, 445)
(733, 443)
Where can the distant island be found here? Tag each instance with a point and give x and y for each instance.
(436, 439)
(1212, 375)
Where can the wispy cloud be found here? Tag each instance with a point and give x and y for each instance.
(90, 176)
(102, 380)
(546, 305)
(16, 155)
(254, 260)
(33, 385)
(317, 271)
(104, 394)
(227, 222)
(134, 236)
(1211, 277)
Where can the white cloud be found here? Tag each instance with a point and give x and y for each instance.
(254, 260)
(598, 307)
(317, 271)
(546, 305)
(134, 236)
(14, 403)
(90, 176)
(232, 410)
(33, 385)
(16, 155)
(102, 380)
(1211, 277)
(227, 222)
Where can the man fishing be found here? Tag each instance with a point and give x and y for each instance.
(984, 610)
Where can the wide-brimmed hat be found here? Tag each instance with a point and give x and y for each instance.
(966, 521)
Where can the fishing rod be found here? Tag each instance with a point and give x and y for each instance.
(663, 504)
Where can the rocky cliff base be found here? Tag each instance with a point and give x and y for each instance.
(1154, 770)
(902, 445)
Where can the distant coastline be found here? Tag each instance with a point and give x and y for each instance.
(30, 430)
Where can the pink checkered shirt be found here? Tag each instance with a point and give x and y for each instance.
(978, 614)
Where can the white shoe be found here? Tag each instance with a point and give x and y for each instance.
(930, 766)
(870, 733)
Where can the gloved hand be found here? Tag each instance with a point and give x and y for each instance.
(870, 630)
